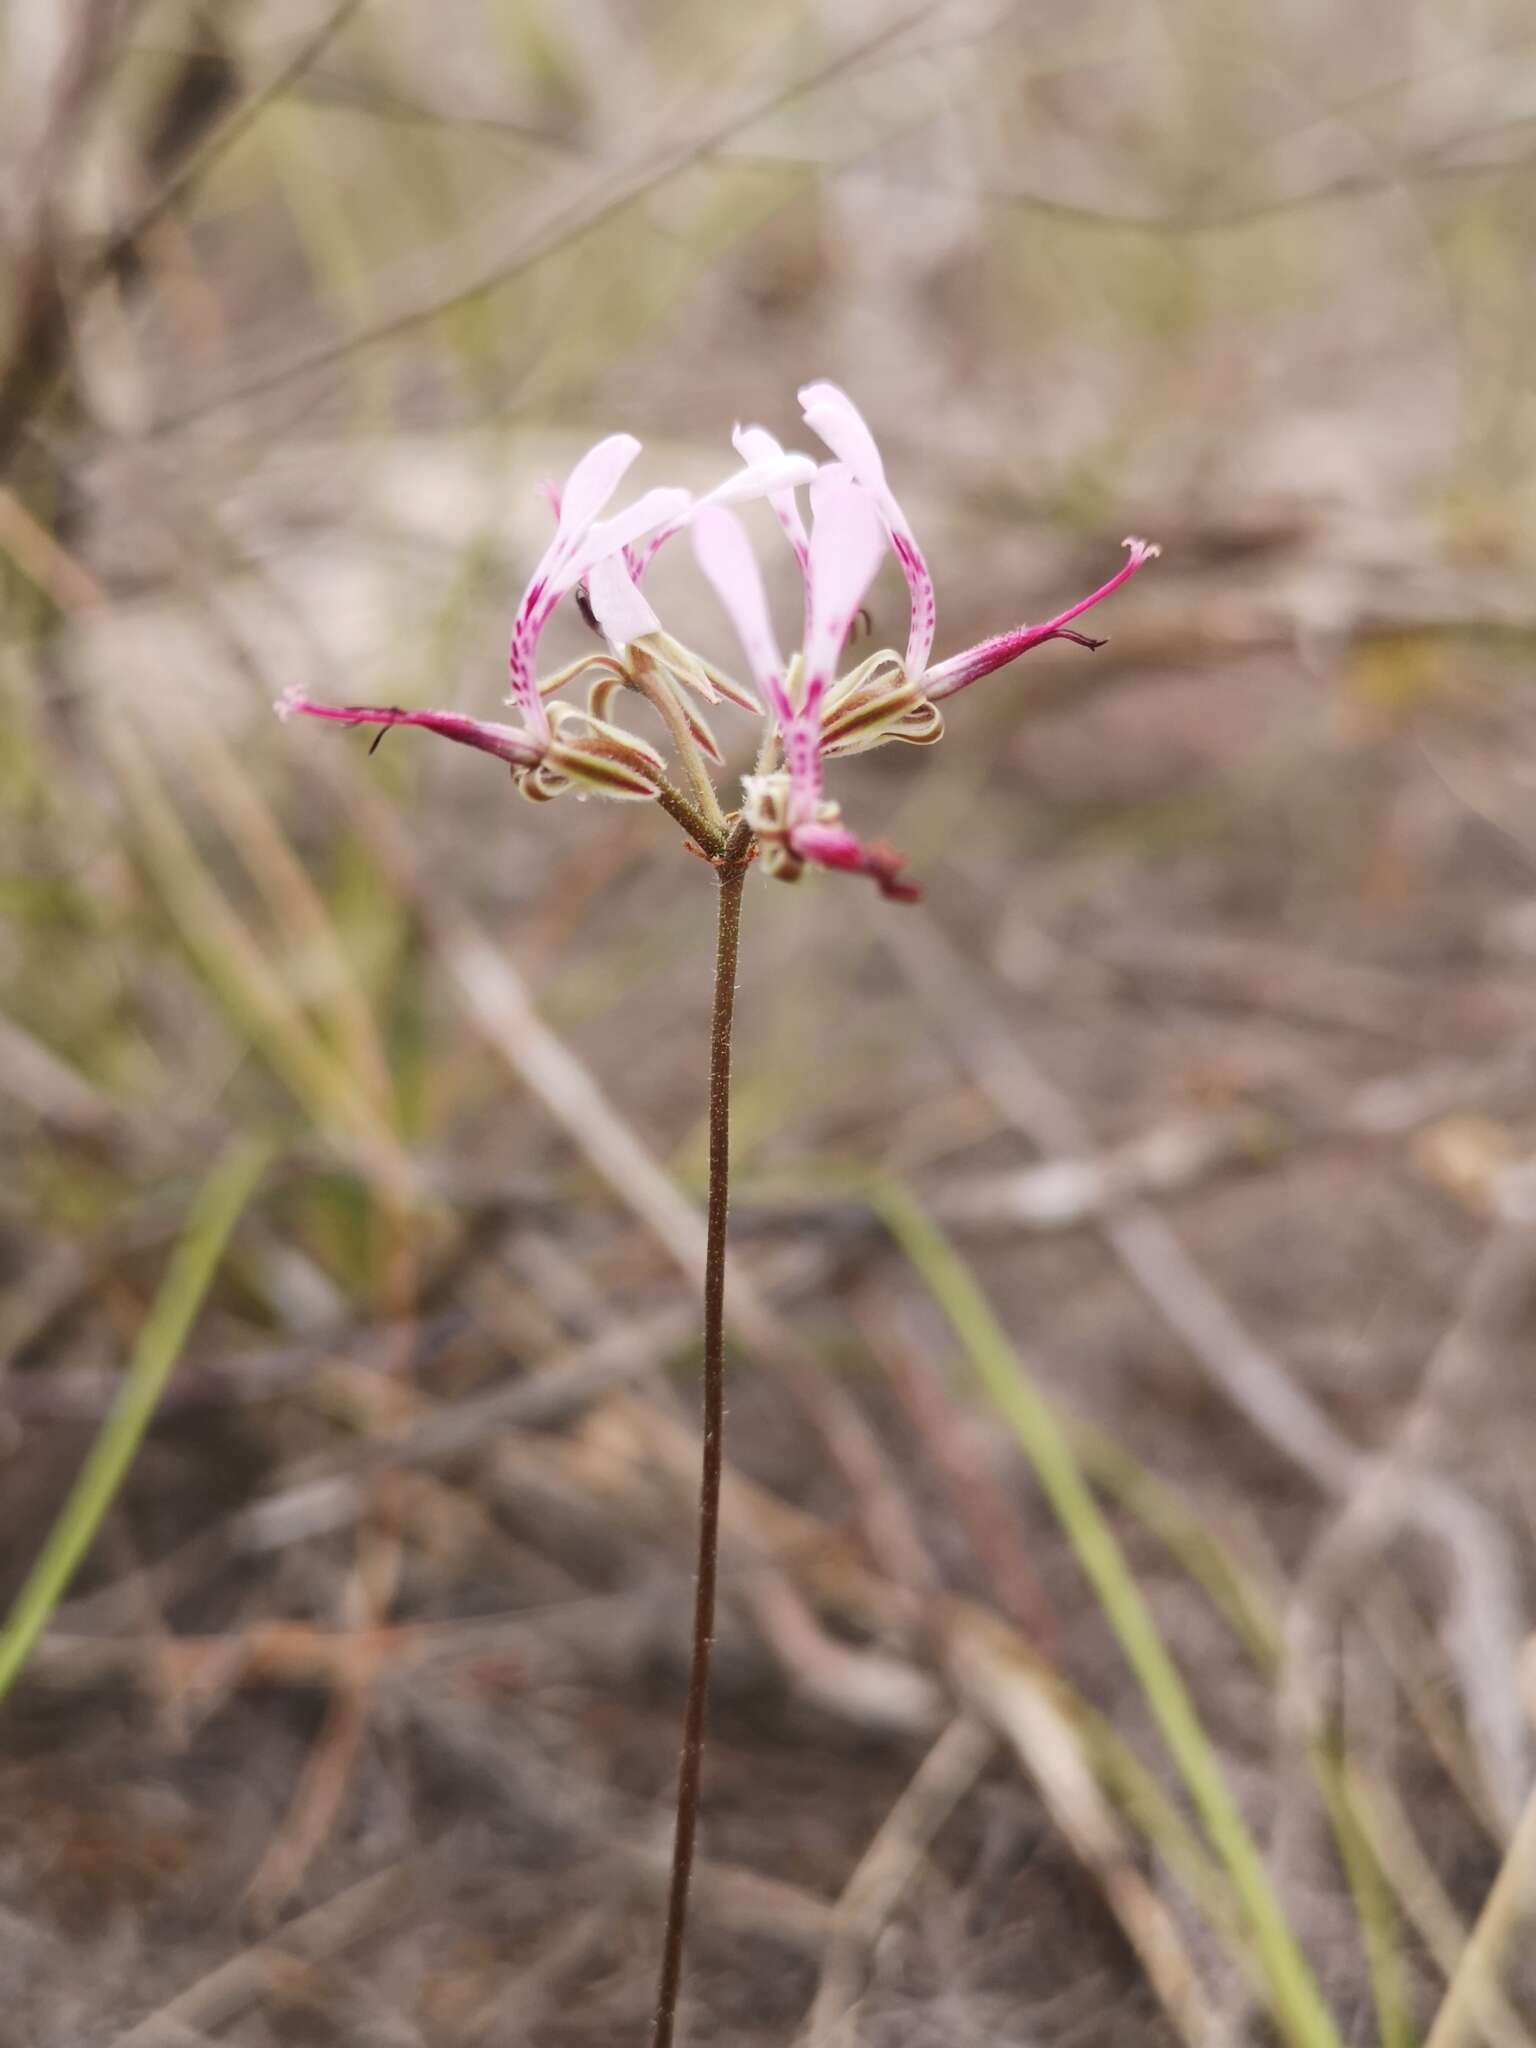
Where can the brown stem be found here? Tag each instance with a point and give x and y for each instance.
(709, 842)
(733, 874)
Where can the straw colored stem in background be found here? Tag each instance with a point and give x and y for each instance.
(1510, 1904)
(943, 1779)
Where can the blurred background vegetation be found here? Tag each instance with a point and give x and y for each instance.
(1179, 1141)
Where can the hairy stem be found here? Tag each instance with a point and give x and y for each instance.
(733, 875)
(709, 842)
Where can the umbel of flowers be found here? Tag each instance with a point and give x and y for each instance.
(812, 709)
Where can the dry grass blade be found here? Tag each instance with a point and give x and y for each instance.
(1017, 1703)
(1483, 1621)
(317, 1802)
(887, 1867)
(1509, 1908)
(1425, 1902)
(229, 954)
(237, 1985)
(235, 964)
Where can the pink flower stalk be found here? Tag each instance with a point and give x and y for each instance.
(508, 742)
(855, 515)
(987, 655)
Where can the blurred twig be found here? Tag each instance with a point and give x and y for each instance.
(453, 275)
(1510, 1904)
(236, 1985)
(199, 161)
(1482, 1624)
(178, 145)
(35, 320)
(887, 1867)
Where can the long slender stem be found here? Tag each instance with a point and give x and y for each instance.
(733, 875)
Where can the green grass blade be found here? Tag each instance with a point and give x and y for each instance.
(193, 1264)
(1295, 1997)
(1376, 1911)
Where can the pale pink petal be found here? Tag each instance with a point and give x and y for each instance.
(580, 541)
(531, 618)
(987, 655)
(755, 445)
(587, 490)
(774, 478)
(847, 542)
(924, 616)
(660, 507)
(768, 478)
(801, 734)
(832, 414)
(725, 555)
(592, 483)
(757, 448)
(621, 612)
(538, 601)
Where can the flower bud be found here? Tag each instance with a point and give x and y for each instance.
(876, 703)
(604, 757)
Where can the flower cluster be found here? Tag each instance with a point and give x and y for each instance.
(813, 712)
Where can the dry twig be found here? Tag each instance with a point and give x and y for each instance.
(890, 1863)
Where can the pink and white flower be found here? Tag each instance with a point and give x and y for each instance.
(581, 541)
(815, 712)
(855, 516)
(832, 414)
(602, 562)
(547, 753)
(791, 817)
